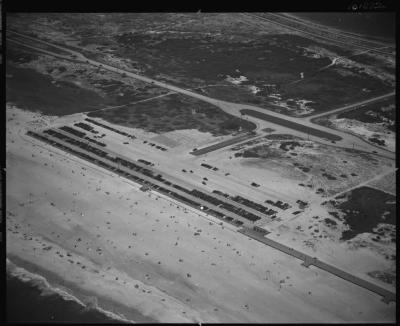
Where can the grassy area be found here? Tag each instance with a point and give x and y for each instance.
(31, 90)
(18, 54)
(363, 211)
(378, 112)
(275, 60)
(389, 278)
(44, 46)
(329, 89)
(175, 112)
(261, 152)
(192, 51)
(86, 87)
(122, 93)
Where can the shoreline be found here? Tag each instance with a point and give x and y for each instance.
(28, 302)
(137, 251)
(68, 291)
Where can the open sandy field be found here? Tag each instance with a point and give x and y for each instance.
(137, 251)
(302, 176)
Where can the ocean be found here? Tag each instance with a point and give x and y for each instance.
(31, 298)
(27, 303)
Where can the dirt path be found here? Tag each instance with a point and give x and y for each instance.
(131, 103)
(350, 106)
(348, 140)
(365, 183)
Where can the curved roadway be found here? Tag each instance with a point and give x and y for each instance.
(347, 141)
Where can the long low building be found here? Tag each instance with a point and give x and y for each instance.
(144, 174)
(146, 177)
(222, 144)
(221, 201)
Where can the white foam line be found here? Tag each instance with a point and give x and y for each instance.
(47, 289)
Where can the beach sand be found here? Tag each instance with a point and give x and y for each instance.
(103, 237)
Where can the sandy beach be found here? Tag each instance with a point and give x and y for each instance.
(100, 236)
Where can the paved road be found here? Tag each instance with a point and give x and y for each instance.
(68, 57)
(292, 125)
(350, 106)
(387, 295)
(323, 28)
(343, 39)
(348, 140)
(308, 22)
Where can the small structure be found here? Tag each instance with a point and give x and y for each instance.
(261, 230)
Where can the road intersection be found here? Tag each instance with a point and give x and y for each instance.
(348, 141)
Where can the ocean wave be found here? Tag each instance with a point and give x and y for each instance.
(46, 289)
(114, 315)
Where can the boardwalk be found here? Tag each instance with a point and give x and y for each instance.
(248, 230)
(387, 296)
